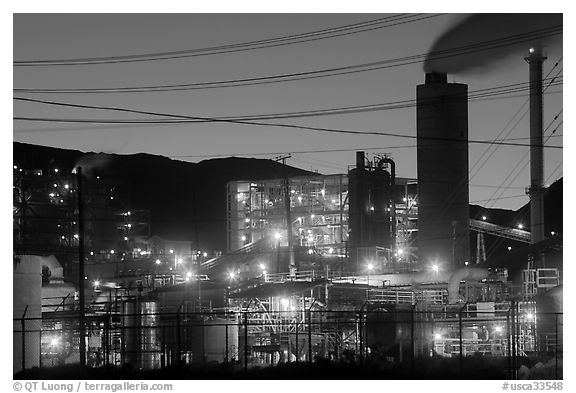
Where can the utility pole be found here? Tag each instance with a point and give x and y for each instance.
(81, 269)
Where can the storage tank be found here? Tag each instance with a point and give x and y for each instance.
(358, 205)
(442, 157)
(141, 347)
(381, 208)
(370, 210)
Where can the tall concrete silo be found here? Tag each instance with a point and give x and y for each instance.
(442, 156)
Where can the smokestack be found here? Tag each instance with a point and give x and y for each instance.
(536, 191)
(442, 156)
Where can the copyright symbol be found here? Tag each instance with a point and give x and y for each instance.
(17, 386)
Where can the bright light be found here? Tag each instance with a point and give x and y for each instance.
(111, 251)
(498, 329)
(400, 251)
(204, 254)
(91, 252)
(52, 194)
(262, 266)
(55, 185)
(111, 197)
(299, 199)
(370, 266)
(404, 199)
(323, 191)
(179, 260)
(285, 302)
(243, 238)
(435, 268)
(171, 251)
(529, 316)
(232, 275)
(466, 263)
(531, 50)
(277, 235)
(310, 251)
(372, 208)
(330, 250)
(333, 200)
(55, 341)
(509, 248)
(96, 284)
(158, 261)
(247, 220)
(76, 236)
(520, 226)
(552, 233)
(188, 274)
(484, 218)
(437, 336)
(129, 225)
(56, 170)
(125, 237)
(15, 167)
(66, 186)
(312, 216)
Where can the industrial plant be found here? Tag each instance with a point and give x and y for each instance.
(359, 267)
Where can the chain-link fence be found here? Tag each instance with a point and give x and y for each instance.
(509, 343)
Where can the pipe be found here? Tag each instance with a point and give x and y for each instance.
(463, 274)
(392, 184)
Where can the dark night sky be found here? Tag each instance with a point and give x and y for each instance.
(67, 36)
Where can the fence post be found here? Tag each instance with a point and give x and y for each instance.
(556, 349)
(412, 346)
(246, 341)
(366, 336)
(178, 337)
(227, 355)
(23, 324)
(310, 336)
(509, 344)
(461, 342)
(297, 351)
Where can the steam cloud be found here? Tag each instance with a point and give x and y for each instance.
(486, 27)
(93, 162)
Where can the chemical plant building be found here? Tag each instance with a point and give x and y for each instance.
(353, 265)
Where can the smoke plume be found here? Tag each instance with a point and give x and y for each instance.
(527, 30)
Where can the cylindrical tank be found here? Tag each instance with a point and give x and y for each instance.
(442, 157)
(26, 311)
(380, 195)
(141, 346)
(358, 203)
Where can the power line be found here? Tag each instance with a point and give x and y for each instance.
(472, 96)
(244, 122)
(383, 64)
(239, 47)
